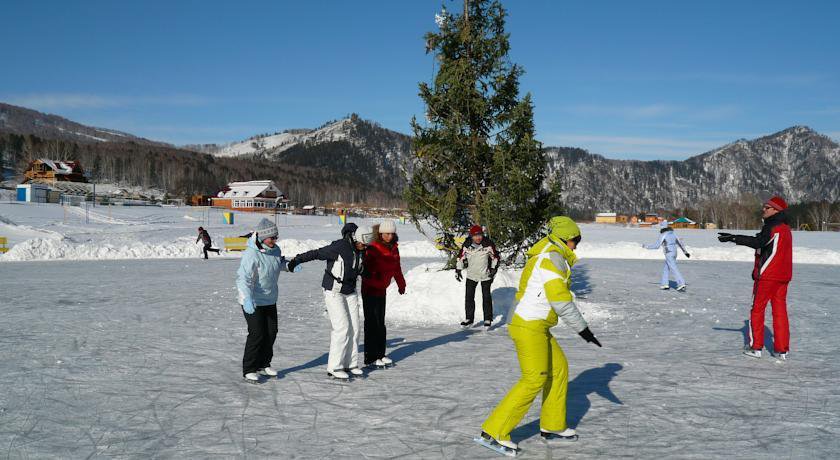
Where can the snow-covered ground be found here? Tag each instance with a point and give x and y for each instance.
(53, 232)
(142, 359)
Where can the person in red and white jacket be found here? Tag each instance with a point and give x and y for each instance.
(382, 264)
(772, 272)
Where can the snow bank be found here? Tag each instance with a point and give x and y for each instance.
(729, 253)
(62, 249)
(52, 246)
(433, 297)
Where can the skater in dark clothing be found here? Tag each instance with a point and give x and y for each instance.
(345, 263)
(772, 272)
(382, 264)
(480, 259)
(208, 243)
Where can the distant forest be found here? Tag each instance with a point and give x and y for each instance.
(181, 173)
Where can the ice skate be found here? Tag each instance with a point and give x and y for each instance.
(338, 375)
(681, 288)
(487, 325)
(507, 448)
(388, 361)
(268, 372)
(664, 287)
(355, 372)
(567, 435)
(752, 353)
(252, 377)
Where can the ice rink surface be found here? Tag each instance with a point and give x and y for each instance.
(142, 358)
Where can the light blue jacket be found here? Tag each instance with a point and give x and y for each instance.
(258, 272)
(669, 242)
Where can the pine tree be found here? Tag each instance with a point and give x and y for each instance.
(476, 159)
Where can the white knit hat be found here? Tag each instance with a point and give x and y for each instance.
(387, 226)
(266, 229)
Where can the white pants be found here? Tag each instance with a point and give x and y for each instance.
(343, 311)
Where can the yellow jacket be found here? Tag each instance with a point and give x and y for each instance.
(544, 293)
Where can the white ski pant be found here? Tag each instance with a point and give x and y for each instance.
(670, 267)
(343, 311)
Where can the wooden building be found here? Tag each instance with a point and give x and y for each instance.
(252, 196)
(46, 171)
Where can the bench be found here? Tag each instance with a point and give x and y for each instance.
(4, 245)
(233, 243)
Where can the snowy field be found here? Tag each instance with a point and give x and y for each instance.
(141, 358)
(53, 232)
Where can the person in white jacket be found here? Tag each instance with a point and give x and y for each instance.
(669, 242)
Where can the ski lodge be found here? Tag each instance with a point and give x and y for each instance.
(610, 218)
(46, 171)
(251, 196)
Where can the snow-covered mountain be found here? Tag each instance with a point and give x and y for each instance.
(20, 120)
(798, 163)
(347, 146)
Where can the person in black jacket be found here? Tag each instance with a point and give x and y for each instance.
(205, 238)
(344, 259)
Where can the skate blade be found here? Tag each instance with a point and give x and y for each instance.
(337, 379)
(253, 382)
(557, 439)
(496, 447)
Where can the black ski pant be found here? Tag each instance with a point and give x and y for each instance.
(259, 346)
(208, 248)
(487, 299)
(374, 308)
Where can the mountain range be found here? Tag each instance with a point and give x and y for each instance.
(371, 163)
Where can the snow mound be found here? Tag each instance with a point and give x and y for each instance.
(727, 253)
(52, 246)
(62, 249)
(433, 297)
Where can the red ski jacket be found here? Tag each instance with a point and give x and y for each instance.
(382, 264)
(773, 250)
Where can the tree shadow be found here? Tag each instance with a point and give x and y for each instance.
(504, 300)
(399, 350)
(580, 280)
(406, 349)
(745, 332)
(596, 380)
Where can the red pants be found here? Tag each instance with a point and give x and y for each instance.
(774, 292)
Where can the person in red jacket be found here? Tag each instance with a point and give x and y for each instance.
(382, 264)
(772, 272)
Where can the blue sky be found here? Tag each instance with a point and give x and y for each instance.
(646, 79)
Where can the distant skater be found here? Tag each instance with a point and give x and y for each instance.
(208, 243)
(669, 242)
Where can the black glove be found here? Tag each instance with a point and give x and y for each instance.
(458, 276)
(726, 237)
(688, 255)
(589, 337)
(290, 266)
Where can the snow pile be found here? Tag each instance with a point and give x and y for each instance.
(434, 297)
(62, 249)
(51, 246)
(723, 252)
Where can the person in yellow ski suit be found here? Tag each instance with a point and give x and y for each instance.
(544, 295)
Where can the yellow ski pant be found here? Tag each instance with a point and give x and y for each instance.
(544, 368)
